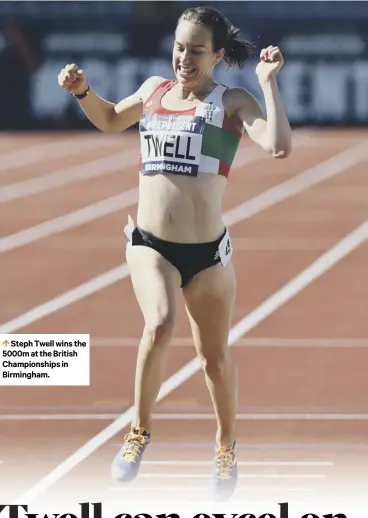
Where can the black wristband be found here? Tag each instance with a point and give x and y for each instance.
(84, 94)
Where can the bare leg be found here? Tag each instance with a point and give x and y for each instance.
(209, 301)
(155, 282)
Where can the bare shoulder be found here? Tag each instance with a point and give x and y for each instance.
(236, 99)
(129, 110)
(148, 87)
(139, 97)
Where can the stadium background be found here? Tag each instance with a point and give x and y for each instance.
(67, 190)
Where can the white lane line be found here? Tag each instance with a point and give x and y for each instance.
(62, 177)
(312, 176)
(264, 417)
(72, 220)
(94, 169)
(114, 204)
(57, 417)
(110, 277)
(240, 462)
(261, 463)
(48, 150)
(109, 341)
(97, 167)
(241, 475)
(267, 308)
(105, 165)
(103, 280)
(95, 210)
(171, 416)
(196, 489)
(65, 299)
(289, 446)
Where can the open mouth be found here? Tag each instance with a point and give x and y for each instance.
(186, 71)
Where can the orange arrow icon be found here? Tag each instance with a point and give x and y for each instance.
(5, 342)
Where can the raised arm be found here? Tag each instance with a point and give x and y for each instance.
(106, 116)
(271, 132)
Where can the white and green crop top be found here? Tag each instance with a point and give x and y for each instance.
(203, 139)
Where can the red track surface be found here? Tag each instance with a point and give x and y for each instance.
(309, 356)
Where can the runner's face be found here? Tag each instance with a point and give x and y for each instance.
(193, 56)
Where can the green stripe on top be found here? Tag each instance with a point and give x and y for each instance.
(219, 143)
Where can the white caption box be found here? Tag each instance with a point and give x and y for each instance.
(44, 360)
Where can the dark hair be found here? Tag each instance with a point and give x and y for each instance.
(225, 35)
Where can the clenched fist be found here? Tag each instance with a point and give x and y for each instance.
(271, 60)
(73, 79)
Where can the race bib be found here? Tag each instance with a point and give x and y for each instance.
(225, 248)
(171, 143)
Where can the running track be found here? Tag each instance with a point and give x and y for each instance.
(301, 341)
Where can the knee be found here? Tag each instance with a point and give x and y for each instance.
(215, 364)
(160, 330)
